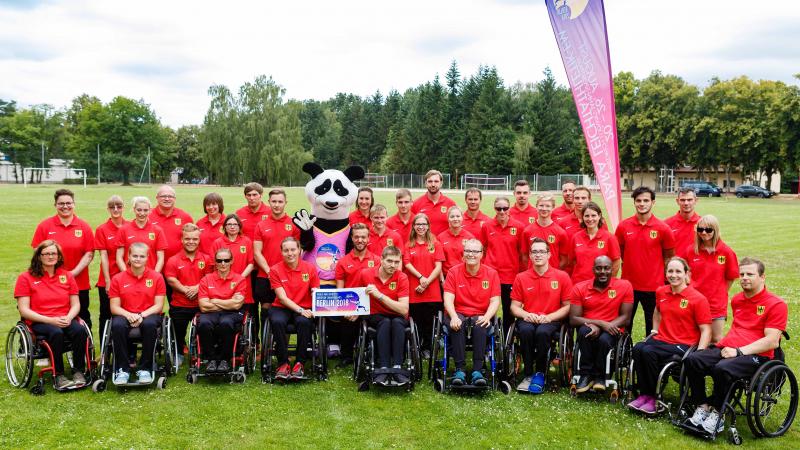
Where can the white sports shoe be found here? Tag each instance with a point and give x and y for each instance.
(144, 377)
(713, 420)
(699, 416)
(121, 377)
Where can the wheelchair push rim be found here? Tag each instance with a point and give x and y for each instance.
(772, 408)
(19, 356)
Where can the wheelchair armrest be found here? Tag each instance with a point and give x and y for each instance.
(785, 335)
(649, 336)
(688, 352)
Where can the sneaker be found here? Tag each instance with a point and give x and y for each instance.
(649, 406)
(121, 377)
(524, 384)
(478, 379)
(62, 382)
(382, 379)
(584, 384)
(426, 354)
(144, 377)
(334, 351)
(283, 372)
(699, 416)
(537, 384)
(78, 379)
(42, 362)
(459, 378)
(297, 371)
(599, 385)
(223, 367)
(401, 379)
(638, 402)
(211, 367)
(713, 421)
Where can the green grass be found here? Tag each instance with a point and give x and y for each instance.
(333, 414)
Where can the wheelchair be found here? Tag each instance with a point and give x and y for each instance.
(165, 356)
(557, 357)
(24, 348)
(617, 364)
(364, 370)
(672, 369)
(493, 363)
(317, 350)
(768, 400)
(243, 362)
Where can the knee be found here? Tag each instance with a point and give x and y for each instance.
(303, 323)
(119, 324)
(542, 333)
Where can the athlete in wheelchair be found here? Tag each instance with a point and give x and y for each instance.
(681, 324)
(599, 308)
(747, 362)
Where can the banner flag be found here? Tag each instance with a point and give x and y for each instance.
(580, 31)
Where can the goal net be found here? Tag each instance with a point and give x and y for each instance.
(484, 181)
(53, 175)
(373, 180)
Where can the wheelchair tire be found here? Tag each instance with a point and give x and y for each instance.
(99, 386)
(416, 357)
(505, 387)
(19, 356)
(359, 372)
(266, 353)
(161, 383)
(437, 326)
(38, 388)
(763, 402)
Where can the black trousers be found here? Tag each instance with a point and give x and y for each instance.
(343, 332)
(648, 301)
(505, 299)
(84, 314)
(423, 314)
(55, 338)
(216, 331)
(650, 357)
(535, 340)
(181, 318)
(105, 308)
(594, 352)
(279, 319)
(119, 338)
(458, 342)
(264, 296)
(390, 337)
(723, 371)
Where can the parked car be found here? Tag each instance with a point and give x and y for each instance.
(703, 188)
(747, 190)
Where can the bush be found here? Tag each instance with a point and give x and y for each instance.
(89, 180)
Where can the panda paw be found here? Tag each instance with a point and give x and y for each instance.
(303, 220)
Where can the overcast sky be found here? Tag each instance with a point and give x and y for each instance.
(169, 52)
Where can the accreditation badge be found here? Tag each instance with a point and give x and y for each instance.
(684, 303)
(242, 249)
(305, 277)
(612, 293)
(78, 233)
(288, 227)
(485, 284)
(721, 259)
(653, 234)
(62, 279)
(151, 236)
(551, 239)
(554, 284)
(148, 282)
(392, 285)
(760, 310)
(177, 221)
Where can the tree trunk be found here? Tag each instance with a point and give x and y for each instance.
(125, 179)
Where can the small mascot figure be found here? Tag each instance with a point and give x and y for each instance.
(325, 233)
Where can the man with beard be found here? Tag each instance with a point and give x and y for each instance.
(434, 204)
(567, 189)
(683, 223)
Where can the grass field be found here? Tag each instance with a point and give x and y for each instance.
(333, 414)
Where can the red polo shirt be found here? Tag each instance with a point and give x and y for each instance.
(711, 273)
(436, 212)
(105, 238)
(583, 251)
(541, 294)
(388, 238)
(554, 235)
(472, 292)
(752, 315)
(396, 224)
(681, 315)
(357, 217)
(271, 232)
(172, 226)
(561, 212)
(210, 232)
(136, 294)
(349, 267)
(424, 260)
(49, 295)
(474, 225)
(250, 219)
(525, 216)
(642, 247)
(297, 283)
(189, 272)
(150, 234)
(214, 286)
(242, 250)
(395, 288)
(75, 240)
(453, 247)
(503, 246)
(605, 304)
(683, 231)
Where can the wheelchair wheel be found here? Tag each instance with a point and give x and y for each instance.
(416, 358)
(623, 358)
(266, 353)
(249, 348)
(435, 344)
(322, 368)
(772, 402)
(358, 363)
(512, 362)
(19, 356)
(169, 345)
(566, 349)
(104, 365)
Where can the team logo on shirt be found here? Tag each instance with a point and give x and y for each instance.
(760, 310)
(612, 293)
(513, 231)
(288, 227)
(392, 285)
(305, 277)
(684, 303)
(233, 285)
(653, 234)
(148, 282)
(242, 249)
(464, 242)
(721, 259)
(554, 284)
(151, 236)
(443, 209)
(78, 233)
(551, 239)
(370, 263)
(62, 279)
(431, 250)
(601, 244)
(389, 242)
(485, 284)
(530, 219)
(201, 265)
(177, 221)
(264, 217)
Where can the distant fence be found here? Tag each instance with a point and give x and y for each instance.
(483, 181)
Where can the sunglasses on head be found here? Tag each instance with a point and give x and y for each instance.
(705, 230)
(225, 261)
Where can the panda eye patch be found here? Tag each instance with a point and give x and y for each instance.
(339, 189)
(323, 188)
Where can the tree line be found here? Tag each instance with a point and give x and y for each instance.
(474, 124)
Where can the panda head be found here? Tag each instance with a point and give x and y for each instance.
(332, 192)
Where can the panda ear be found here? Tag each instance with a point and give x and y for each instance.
(312, 169)
(354, 173)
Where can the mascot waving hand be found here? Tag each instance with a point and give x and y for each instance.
(325, 233)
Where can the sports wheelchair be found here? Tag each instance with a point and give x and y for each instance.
(770, 402)
(364, 370)
(672, 369)
(493, 361)
(617, 363)
(24, 348)
(317, 350)
(560, 352)
(165, 355)
(242, 363)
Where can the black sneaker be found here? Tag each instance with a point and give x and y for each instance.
(223, 367)
(382, 379)
(584, 384)
(211, 367)
(401, 379)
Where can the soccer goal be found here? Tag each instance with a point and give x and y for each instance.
(484, 181)
(40, 175)
(373, 180)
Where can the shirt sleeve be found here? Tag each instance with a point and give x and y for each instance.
(777, 316)
(702, 312)
(113, 290)
(161, 239)
(274, 279)
(450, 281)
(628, 296)
(88, 238)
(516, 289)
(314, 279)
(202, 289)
(120, 238)
(99, 239)
(339, 272)
(731, 266)
(38, 235)
(668, 242)
(575, 296)
(566, 288)
(161, 286)
(494, 284)
(241, 288)
(402, 286)
(171, 268)
(438, 252)
(613, 247)
(619, 233)
(22, 288)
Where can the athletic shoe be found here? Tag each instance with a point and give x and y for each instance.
(144, 377)
(713, 420)
(649, 406)
(297, 371)
(584, 384)
(121, 377)
(283, 372)
(478, 379)
(42, 362)
(63, 382)
(426, 354)
(401, 379)
(599, 385)
(382, 379)
(78, 379)
(537, 384)
(333, 351)
(524, 384)
(211, 367)
(699, 416)
(459, 378)
(638, 402)
(223, 367)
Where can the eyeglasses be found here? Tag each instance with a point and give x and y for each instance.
(539, 252)
(115, 207)
(420, 224)
(232, 224)
(705, 230)
(501, 208)
(473, 252)
(166, 196)
(63, 204)
(49, 254)
(223, 261)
